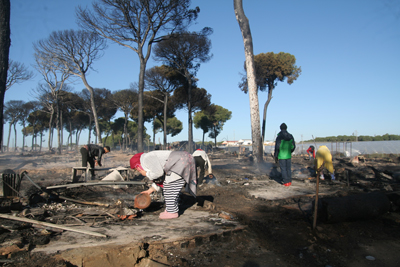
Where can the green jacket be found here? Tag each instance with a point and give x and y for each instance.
(284, 145)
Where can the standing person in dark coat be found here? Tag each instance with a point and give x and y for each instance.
(284, 147)
(92, 154)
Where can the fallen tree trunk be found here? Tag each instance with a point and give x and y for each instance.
(352, 208)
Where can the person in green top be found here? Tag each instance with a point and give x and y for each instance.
(284, 147)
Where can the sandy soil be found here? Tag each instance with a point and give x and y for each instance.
(277, 220)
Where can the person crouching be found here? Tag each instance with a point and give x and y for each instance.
(174, 169)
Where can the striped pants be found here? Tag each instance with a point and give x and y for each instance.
(171, 194)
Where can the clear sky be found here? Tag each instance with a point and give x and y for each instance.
(348, 50)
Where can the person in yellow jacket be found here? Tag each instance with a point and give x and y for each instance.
(324, 156)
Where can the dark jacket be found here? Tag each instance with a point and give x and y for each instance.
(95, 151)
(284, 145)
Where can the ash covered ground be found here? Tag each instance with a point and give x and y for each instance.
(244, 218)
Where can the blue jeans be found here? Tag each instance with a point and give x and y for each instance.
(286, 170)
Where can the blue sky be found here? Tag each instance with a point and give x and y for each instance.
(348, 52)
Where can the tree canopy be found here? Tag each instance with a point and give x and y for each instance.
(212, 120)
(184, 52)
(137, 24)
(271, 68)
(163, 80)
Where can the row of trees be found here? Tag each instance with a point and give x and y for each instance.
(353, 138)
(137, 25)
(74, 114)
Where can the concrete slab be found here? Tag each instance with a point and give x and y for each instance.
(145, 229)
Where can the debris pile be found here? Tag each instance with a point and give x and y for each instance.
(97, 220)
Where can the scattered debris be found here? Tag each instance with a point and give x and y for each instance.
(275, 227)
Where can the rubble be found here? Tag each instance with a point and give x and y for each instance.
(241, 213)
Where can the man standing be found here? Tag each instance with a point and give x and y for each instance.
(203, 162)
(284, 147)
(92, 154)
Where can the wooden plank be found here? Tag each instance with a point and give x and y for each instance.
(56, 226)
(84, 202)
(93, 184)
(88, 169)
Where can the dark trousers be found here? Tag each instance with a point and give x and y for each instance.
(86, 159)
(286, 170)
(200, 163)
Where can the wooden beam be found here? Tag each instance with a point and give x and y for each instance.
(56, 226)
(92, 184)
(84, 202)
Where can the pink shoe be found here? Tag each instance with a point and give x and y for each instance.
(168, 215)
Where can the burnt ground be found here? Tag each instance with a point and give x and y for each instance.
(255, 220)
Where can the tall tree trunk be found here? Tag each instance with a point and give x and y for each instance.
(112, 139)
(15, 133)
(125, 140)
(41, 139)
(78, 137)
(23, 136)
(52, 137)
(93, 107)
(190, 120)
(215, 136)
(50, 129)
(76, 140)
(105, 138)
(61, 132)
(33, 141)
(154, 132)
(58, 125)
(70, 134)
(140, 133)
(9, 134)
(251, 79)
(90, 129)
(5, 43)
(265, 114)
(165, 120)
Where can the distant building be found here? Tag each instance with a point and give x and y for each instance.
(230, 143)
(244, 142)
